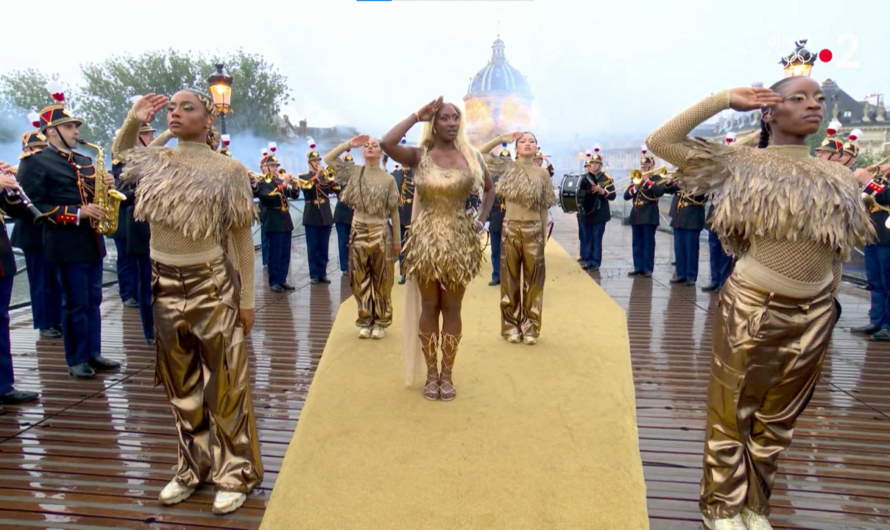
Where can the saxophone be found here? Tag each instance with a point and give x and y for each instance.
(109, 200)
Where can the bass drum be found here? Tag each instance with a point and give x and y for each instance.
(569, 199)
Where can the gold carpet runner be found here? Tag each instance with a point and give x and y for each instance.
(539, 437)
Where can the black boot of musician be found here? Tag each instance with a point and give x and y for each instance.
(868, 329)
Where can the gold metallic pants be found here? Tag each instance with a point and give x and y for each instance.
(768, 352)
(202, 362)
(522, 277)
(371, 270)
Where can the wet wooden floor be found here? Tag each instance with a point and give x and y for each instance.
(95, 454)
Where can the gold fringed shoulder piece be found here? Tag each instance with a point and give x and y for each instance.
(768, 193)
(529, 186)
(200, 193)
(344, 171)
(372, 191)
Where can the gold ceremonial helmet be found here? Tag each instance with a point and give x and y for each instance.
(851, 147)
(596, 156)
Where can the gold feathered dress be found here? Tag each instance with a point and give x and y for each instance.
(527, 193)
(374, 197)
(790, 219)
(199, 205)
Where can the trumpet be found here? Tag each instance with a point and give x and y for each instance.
(875, 169)
(637, 176)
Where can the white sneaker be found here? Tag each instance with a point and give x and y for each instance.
(228, 501)
(755, 521)
(174, 493)
(531, 341)
(378, 332)
(364, 333)
(515, 338)
(733, 523)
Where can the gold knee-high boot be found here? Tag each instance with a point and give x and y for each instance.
(447, 392)
(430, 345)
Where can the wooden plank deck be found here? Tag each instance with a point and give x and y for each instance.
(95, 454)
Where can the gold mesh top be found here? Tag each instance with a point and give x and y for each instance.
(195, 200)
(799, 214)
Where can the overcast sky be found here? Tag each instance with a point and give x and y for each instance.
(600, 69)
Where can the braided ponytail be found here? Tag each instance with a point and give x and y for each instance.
(764, 134)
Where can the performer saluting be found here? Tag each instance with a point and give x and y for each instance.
(595, 211)
(374, 197)
(778, 309)
(318, 219)
(526, 192)
(60, 182)
(644, 216)
(273, 192)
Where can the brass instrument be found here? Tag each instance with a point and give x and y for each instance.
(20, 196)
(637, 176)
(108, 199)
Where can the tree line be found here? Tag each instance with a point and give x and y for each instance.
(102, 99)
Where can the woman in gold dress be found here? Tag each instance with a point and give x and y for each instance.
(526, 191)
(372, 193)
(199, 206)
(791, 219)
(442, 252)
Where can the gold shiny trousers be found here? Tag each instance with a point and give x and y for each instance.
(202, 362)
(522, 277)
(767, 359)
(371, 273)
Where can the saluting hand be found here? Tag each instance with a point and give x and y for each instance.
(144, 110)
(359, 140)
(428, 111)
(752, 98)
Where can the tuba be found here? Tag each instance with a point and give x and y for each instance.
(110, 200)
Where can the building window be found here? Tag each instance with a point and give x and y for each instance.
(847, 114)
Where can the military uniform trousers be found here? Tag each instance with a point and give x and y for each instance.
(81, 319)
(686, 252)
(343, 230)
(495, 240)
(202, 363)
(522, 277)
(371, 274)
(46, 290)
(721, 262)
(643, 247)
(7, 377)
(279, 256)
(264, 245)
(767, 358)
(591, 236)
(318, 239)
(877, 273)
(127, 271)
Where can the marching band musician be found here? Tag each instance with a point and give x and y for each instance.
(539, 161)
(831, 149)
(273, 192)
(495, 225)
(594, 211)
(374, 197)
(127, 264)
(43, 278)
(60, 182)
(688, 220)
(851, 149)
(720, 261)
(644, 216)
(405, 182)
(876, 194)
(318, 219)
(14, 206)
(526, 192)
(343, 215)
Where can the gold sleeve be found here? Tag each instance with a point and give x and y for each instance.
(486, 149)
(668, 140)
(243, 245)
(162, 139)
(126, 137)
(336, 152)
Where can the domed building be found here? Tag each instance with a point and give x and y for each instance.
(498, 99)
